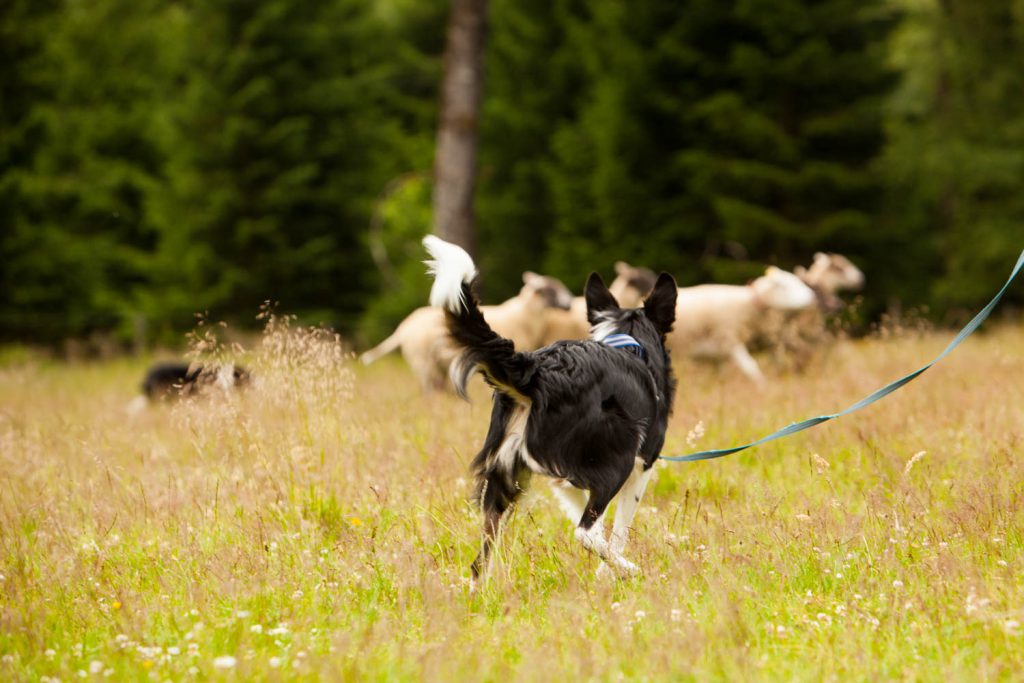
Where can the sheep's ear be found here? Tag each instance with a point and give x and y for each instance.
(531, 278)
(599, 299)
(660, 306)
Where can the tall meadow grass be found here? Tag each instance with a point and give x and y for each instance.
(316, 525)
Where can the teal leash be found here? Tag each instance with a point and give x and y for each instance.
(866, 401)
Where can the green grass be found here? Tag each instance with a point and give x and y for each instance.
(318, 526)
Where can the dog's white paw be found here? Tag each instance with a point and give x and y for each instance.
(626, 568)
(619, 567)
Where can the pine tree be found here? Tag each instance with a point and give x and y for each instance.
(91, 156)
(532, 84)
(715, 136)
(288, 133)
(956, 131)
(24, 24)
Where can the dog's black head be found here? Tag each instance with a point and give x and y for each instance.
(648, 325)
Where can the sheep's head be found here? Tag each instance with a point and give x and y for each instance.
(631, 283)
(549, 291)
(831, 273)
(782, 290)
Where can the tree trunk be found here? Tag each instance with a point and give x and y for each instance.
(457, 132)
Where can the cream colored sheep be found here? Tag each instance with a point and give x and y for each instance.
(717, 322)
(829, 274)
(630, 286)
(794, 337)
(424, 341)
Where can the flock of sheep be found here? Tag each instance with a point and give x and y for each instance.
(780, 310)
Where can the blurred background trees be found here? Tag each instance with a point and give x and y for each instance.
(161, 157)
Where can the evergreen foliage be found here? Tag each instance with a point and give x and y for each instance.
(716, 136)
(956, 136)
(163, 157)
(285, 143)
(88, 150)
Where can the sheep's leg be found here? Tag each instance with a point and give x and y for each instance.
(747, 365)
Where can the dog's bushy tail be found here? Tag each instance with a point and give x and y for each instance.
(482, 348)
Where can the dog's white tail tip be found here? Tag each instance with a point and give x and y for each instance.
(451, 266)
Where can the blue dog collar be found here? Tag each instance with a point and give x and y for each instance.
(625, 341)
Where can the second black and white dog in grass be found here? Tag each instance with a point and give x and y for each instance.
(171, 380)
(591, 414)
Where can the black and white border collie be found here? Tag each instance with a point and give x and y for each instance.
(171, 380)
(590, 414)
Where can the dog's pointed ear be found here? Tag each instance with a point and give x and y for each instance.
(660, 306)
(599, 299)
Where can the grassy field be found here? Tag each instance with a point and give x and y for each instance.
(317, 526)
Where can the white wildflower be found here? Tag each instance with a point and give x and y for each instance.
(695, 434)
(224, 662)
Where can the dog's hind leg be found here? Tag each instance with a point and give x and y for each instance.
(590, 531)
(499, 492)
(628, 501)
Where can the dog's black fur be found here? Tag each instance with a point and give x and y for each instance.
(172, 379)
(593, 410)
